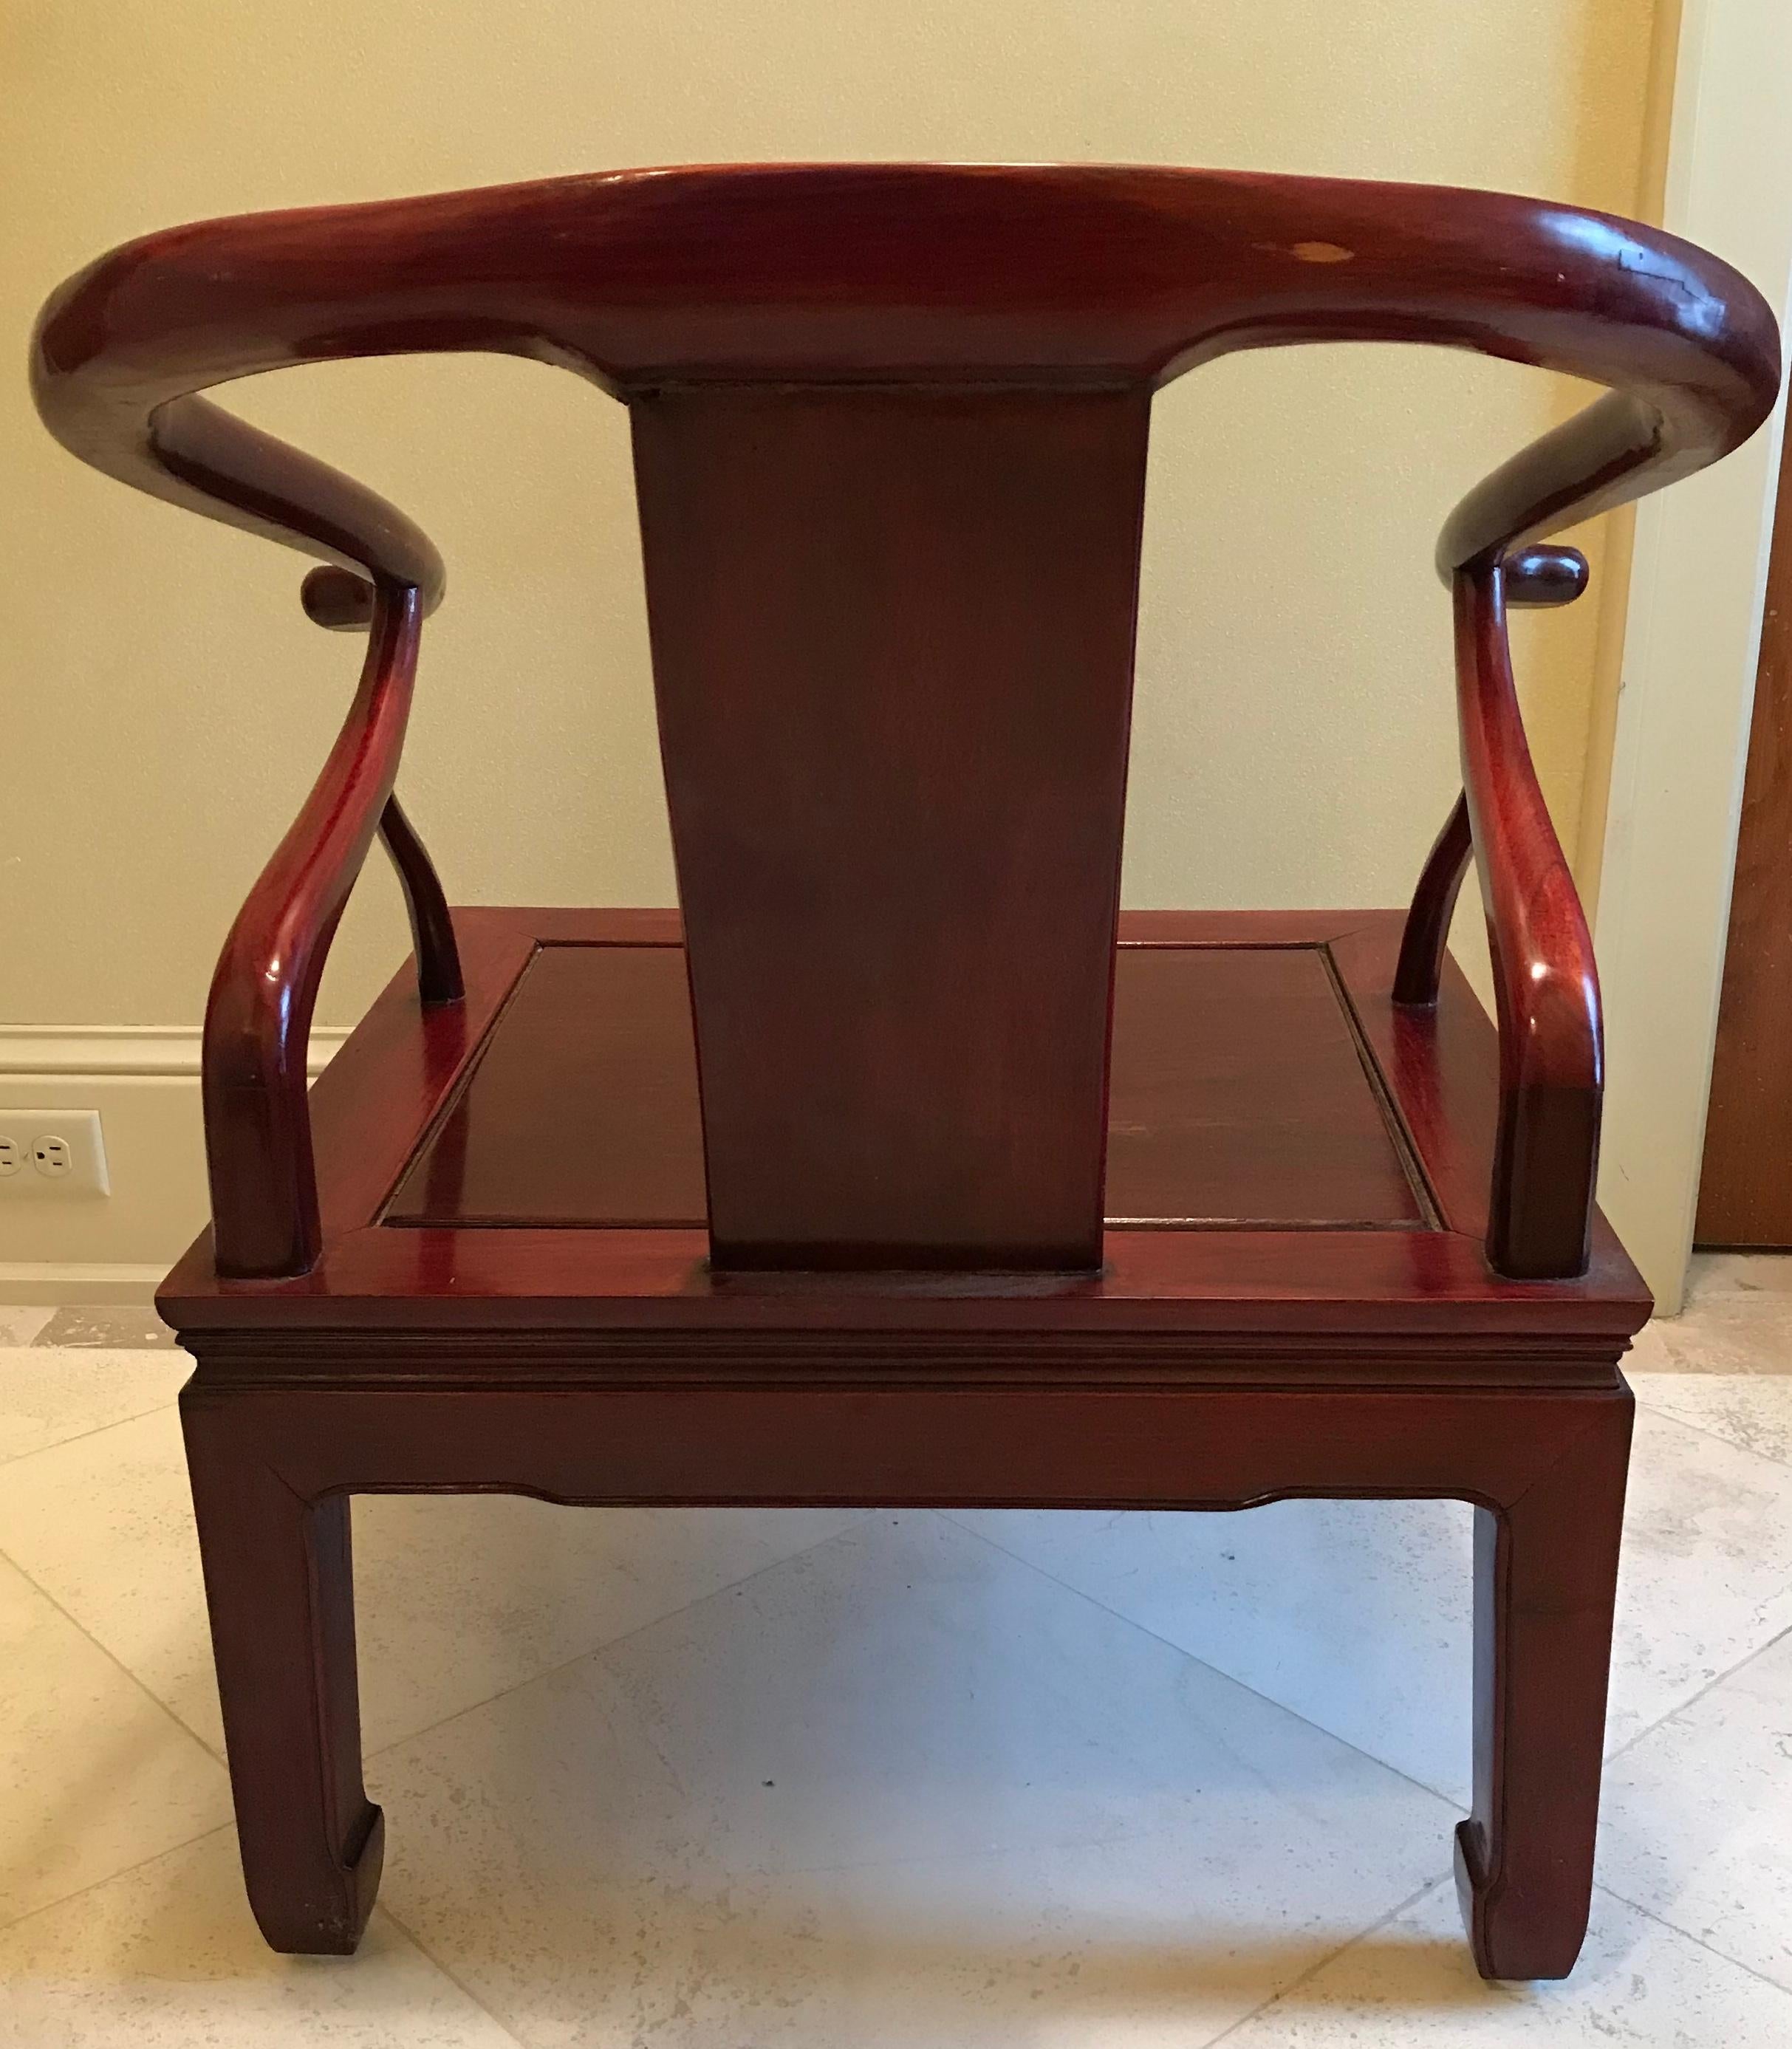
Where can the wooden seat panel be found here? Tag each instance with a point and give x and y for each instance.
(1239, 1099)
(582, 1107)
(1400, 1110)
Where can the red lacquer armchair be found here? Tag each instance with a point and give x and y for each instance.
(897, 1165)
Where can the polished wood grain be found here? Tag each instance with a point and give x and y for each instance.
(258, 1022)
(890, 428)
(1745, 1187)
(1425, 941)
(783, 272)
(893, 651)
(1238, 1100)
(582, 1108)
(1546, 985)
(286, 1686)
(1535, 576)
(1545, 1581)
(439, 978)
(393, 1085)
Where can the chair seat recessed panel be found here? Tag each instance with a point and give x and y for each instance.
(1239, 1098)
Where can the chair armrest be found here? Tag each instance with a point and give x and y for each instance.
(1545, 980)
(258, 1022)
(129, 405)
(123, 395)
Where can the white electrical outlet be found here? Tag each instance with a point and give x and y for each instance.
(52, 1153)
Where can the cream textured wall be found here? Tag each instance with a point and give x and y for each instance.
(165, 702)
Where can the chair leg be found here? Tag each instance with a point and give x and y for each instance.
(1545, 1572)
(278, 1585)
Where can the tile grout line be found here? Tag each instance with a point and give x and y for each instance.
(80, 1436)
(1760, 1650)
(1710, 1685)
(1330, 1957)
(141, 1685)
(1194, 1657)
(1686, 1934)
(1319, 1964)
(613, 1642)
(947, 1515)
(436, 1963)
(1686, 1423)
(229, 1828)
(1729, 1671)
(165, 1710)
(124, 1871)
(1307, 1976)
(429, 1727)
(1607, 1762)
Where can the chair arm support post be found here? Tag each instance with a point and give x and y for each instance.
(1420, 969)
(1662, 425)
(1546, 983)
(432, 930)
(258, 1020)
(1534, 576)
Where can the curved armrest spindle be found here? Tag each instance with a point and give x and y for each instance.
(432, 930)
(1419, 971)
(135, 412)
(258, 1022)
(1533, 577)
(1545, 983)
(1631, 441)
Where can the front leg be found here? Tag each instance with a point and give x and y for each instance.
(1546, 1573)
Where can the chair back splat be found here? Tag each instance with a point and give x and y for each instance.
(892, 641)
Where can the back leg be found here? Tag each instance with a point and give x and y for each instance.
(1545, 1574)
(279, 1587)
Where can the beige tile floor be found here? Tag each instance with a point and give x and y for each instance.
(719, 1778)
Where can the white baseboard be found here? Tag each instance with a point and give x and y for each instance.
(142, 1051)
(33, 1283)
(144, 1082)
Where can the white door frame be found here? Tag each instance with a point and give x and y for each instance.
(1698, 586)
